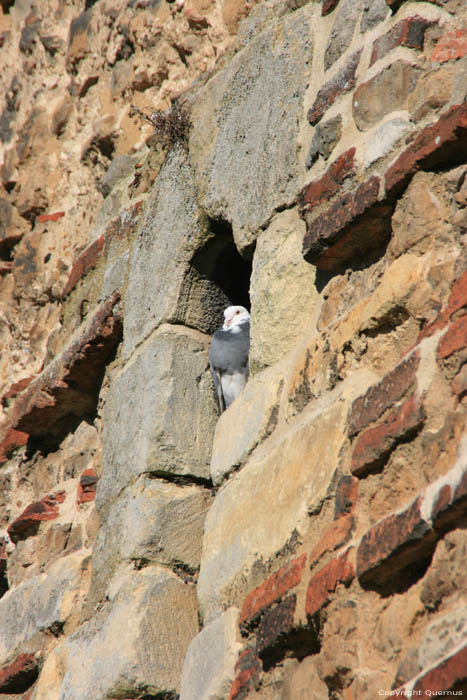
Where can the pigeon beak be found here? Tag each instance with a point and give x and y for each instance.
(227, 322)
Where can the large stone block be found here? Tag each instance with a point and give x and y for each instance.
(256, 411)
(160, 413)
(151, 521)
(133, 646)
(161, 284)
(283, 291)
(41, 603)
(251, 110)
(209, 667)
(243, 528)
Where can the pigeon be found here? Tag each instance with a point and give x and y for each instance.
(228, 355)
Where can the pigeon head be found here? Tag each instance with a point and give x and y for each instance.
(234, 316)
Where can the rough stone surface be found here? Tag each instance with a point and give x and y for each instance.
(342, 82)
(258, 152)
(159, 444)
(37, 605)
(280, 309)
(346, 18)
(145, 656)
(209, 667)
(229, 553)
(325, 137)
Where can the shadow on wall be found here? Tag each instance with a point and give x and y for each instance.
(219, 261)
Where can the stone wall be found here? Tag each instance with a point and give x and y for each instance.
(310, 542)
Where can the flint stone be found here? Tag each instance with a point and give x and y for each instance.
(374, 12)
(242, 529)
(160, 414)
(384, 138)
(39, 603)
(252, 110)
(152, 520)
(135, 644)
(209, 668)
(283, 291)
(342, 30)
(324, 140)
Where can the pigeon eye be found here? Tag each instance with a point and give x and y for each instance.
(237, 312)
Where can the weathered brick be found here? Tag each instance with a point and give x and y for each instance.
(339, 570)
(392, 544)
(336, 535)
(28, 521)
(461, 489)
(19, 675)
(342, 82)
(43, 218)
(327, 6)
(327, 244)
(11, 440)
(275, 624)
(450, 46)
(248, 668)
(68, 386)
(272, 589)
(449, 128)
(86, 261)
(17, 387)
(383, 395)
(445, 675)
(326, 186)
(454, 339)
(86, 490)
(410, 32)
(375, 444)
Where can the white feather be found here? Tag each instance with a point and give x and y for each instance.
(232, 385)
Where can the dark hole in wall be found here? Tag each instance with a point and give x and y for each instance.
(3, 577)
(219, 263)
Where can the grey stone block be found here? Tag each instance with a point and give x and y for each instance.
(160, 413)
(342, 30)
(253, 108)
(209, 668)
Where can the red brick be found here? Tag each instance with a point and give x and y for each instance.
(461, 489)
(327, 6)
(275, 625)
(395, 541)
(454, 339)
(19, 675)
(86, 261)
(336, 535)
(375, 444)
(272, 589)
(459, 384)
(325, 582)
(17, 387)
(383, 395)
(249, 667)
(43, 218)
(410, 32)
(12, 439)
(45, 509)
(5, 267)
(326, 244)
(68, 386)
(323, 189)
(342, 82)
(86, 490)
(450, 46)
(442, 501)
(446, 675)
(449, 128)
